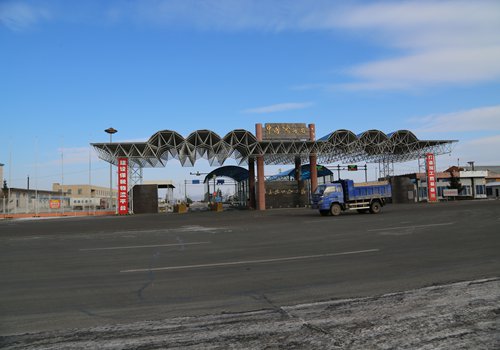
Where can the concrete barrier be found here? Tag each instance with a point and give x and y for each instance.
(52, 215)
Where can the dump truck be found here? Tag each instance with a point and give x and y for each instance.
(343, 195)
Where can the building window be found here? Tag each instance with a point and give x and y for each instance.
(480, 189)
(422, 192)
(69, 191)
(79, 191)
(466, 191)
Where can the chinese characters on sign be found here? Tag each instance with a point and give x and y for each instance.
(284, 191)
(431, 177)
(55, 204)
(122, 186)
(285, 131)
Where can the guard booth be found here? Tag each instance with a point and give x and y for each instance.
(145, 197)
(239, 175)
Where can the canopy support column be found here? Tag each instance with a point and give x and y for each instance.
(313, 160)
(251, 183)
(261, 189)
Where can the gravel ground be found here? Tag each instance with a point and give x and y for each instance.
(463, 315)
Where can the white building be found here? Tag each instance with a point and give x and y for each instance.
(474, 183)
(22, 200)
(493, 189)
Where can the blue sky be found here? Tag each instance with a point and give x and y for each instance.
(70, 69)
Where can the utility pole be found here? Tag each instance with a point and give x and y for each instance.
(27, 194)
(471, 163)
(110, 131)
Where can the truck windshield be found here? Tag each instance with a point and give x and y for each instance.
(320, 189)
(324, 189)
(330, 189)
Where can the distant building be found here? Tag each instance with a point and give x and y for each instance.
(493, 189)
(61, 198)
(476, 184)
(492, 179)
(85, 195)
(22, 200)
(81, 191)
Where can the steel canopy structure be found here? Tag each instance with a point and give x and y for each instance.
(372, 146)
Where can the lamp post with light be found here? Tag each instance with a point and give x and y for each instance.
(471, 163)
(110, 131)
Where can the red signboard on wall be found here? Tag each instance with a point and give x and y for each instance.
(122, 186)
(55, 204)
(431, 177)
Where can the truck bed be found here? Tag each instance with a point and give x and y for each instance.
(371, 183)
(368, 190)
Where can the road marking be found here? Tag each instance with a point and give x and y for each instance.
(145, 246)
(407, 227)
(247, 262)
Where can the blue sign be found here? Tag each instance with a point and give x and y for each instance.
(220, 182)
(196, 182)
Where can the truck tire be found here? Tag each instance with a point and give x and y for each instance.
(324, 212)
(375, 207)
(335, 209)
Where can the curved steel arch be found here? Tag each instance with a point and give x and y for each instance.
(236, 173)
(340, 145)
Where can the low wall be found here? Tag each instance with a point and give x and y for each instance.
(59, 214)
(285, 194)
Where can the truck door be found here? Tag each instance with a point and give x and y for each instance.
(335, 193)
(340, 193)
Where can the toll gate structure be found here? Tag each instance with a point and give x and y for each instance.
(276, 144)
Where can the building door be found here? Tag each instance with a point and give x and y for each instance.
(496, 192)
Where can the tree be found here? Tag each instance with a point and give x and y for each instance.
(454, 182)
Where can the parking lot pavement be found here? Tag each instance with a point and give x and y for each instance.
(91, 272)
(462, 315)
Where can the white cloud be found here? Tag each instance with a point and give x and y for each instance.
(477, 119)
(19, 16)
(490, 141)
(446, 42)
(437, 42)
(279, 107)
(483, 151)
(425, 24)
(460, 65)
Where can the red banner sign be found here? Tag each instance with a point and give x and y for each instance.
(431, 177)
(55, 204)
(122, 186)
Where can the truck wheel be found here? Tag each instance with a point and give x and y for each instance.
(375, 207)
(324, 212)
(335, 209)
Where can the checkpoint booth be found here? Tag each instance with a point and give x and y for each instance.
(271, 144)
(145, 197)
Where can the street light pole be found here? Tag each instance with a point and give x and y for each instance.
(472, 179)
(110, 131)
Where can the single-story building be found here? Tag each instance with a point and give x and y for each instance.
(473, 184)
(493, 189)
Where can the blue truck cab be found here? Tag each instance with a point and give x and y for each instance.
(343, 195)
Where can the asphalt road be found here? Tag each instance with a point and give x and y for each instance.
(84, 272)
